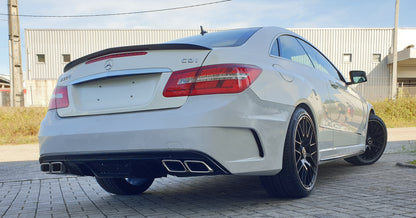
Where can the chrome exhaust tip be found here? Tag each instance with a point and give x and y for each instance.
(57, 168)
(197, 166)
(44, 167)
(174, 166)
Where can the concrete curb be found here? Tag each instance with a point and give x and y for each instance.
(406, 165)
(25, 152)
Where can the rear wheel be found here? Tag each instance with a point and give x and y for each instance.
(375, 143)
(300, 160)
(125, 186)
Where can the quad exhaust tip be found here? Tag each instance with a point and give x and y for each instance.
(192, 166)
(197, 166)
(174, 166)
(53, 167)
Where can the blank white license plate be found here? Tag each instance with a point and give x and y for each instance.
(115, 93)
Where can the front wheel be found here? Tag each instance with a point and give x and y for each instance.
(300, 160)
(125, 186)
(375, 142)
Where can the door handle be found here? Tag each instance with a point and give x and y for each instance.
(334, 85)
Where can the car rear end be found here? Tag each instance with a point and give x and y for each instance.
(153, 110)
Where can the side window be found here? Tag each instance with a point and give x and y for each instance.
(290, 48)
(319, 61)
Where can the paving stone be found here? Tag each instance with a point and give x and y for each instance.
(343, 190)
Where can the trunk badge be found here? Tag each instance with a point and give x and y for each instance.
(108, 65)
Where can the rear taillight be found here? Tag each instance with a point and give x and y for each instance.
(59, 98)
(213, 79)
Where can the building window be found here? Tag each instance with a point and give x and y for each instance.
(66, 58)
(40, 58)
(376, 58)
(347, 58)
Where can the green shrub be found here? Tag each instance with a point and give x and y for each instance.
(397, 113)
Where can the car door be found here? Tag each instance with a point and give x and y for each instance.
(296, 60)
(346, 108)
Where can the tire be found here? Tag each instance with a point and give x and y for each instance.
(125, 186)
(375, 142)
(300, 160)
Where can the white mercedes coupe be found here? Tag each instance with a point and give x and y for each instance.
(254, 101)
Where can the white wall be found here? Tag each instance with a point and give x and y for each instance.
(38, 92)
(406, 37)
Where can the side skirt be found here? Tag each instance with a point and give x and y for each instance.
(341, 152)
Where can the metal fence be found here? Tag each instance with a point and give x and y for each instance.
(406, 91)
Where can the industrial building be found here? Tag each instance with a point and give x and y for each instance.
(4, 90)
(369, 49)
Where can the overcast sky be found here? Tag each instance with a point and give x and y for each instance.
(230, 14)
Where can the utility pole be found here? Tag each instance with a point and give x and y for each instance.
(394, 73)
(16, 94)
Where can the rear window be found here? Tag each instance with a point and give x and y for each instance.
(227, 38)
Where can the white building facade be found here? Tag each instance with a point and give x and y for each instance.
(49, 50)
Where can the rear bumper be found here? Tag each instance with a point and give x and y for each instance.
(238, 133)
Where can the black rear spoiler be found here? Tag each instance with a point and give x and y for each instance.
(167, 46)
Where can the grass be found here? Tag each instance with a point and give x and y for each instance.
(413, 162)
(20, 125)
(397, 113)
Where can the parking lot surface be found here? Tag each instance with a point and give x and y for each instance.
(343, 190)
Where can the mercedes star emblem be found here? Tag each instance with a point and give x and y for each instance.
(108, 65)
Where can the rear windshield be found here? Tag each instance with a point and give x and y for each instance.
(227, 38)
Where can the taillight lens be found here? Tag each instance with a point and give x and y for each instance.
(59, 98)
(213, 79)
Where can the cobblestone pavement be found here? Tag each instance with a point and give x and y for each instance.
(343, 190)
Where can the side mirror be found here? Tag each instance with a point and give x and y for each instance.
(357, 77)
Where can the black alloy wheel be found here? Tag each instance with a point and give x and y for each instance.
(375, 142)
(306, 152)
(300, 160)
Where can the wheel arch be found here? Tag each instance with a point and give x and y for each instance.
(370, 111)
(288, 182)
(311, 112)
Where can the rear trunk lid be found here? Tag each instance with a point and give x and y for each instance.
(126, 79)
